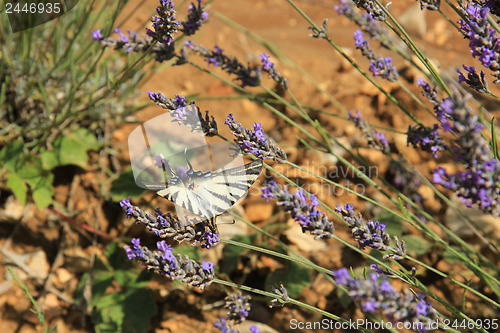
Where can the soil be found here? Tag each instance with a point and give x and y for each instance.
(53, 250)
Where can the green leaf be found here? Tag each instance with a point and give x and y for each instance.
(124, 186)
(42, 196)
(72, 151)
(416, 244)
(231, 254)
(49, 159)
(30, 169)
(18, 187)
(294, 277)
(87, 139)
(128, 311)
(9, 155)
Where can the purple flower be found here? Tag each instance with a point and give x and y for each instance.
(429, 92)
(129, 209)
(379, 66)
(160, 161)
(207, 265)
(300, 210)
(254, 141)
(164, 24)
(238, 307)
(268, 67)
(371, 234)
(174, 267)
(96, 35)
(376, 139)
(136, 44)
(373, 28)
(478, 184)
(245, 74)
(377, 294)
(167, 225)
(372, 9)
(379, 270)
(473, 80)
(484, 39)
(195, 19)
(189, 115)
(426, 139)
(254, 329)
(225, 326)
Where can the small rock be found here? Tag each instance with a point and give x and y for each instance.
(259, 211)
(305, 242)
(13, 210)
(413, 20)
(52, 306)
(38, 264)
(459, 225)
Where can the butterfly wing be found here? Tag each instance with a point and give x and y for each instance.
(212, 194)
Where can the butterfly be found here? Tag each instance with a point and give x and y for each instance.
(207, 194)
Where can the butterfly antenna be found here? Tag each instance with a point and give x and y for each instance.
(187, 161)
(167, 168)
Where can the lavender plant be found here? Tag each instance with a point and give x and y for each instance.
(412, 240)
(56, 102)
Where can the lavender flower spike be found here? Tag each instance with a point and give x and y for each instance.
(484, 39)
(377, 294)
(247, 75)
(430, 4)
(473, 80)
(282, 298)
(167, 225)
(301, 211)
(134, 43)
(371, 234)
(379, 66)
(254, 141)
(376, 139)
(238, 307)
(189, 115)
(366, 22)
(479, 183)
(174, 267)
(372, 9)
(268, 67)
(426, 139)
(164, 24)
(195, 19)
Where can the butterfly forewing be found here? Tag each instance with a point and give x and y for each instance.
(212, 194)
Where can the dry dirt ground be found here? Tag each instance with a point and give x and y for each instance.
(55, 252)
